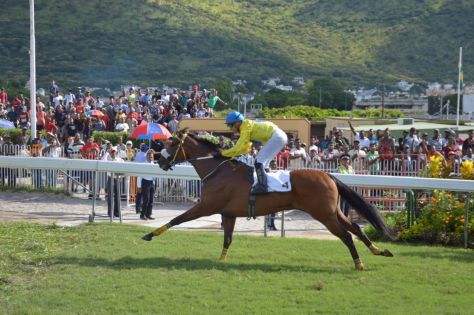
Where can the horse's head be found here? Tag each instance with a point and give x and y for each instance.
(173, 151)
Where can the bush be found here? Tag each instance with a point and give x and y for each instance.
(395, 220)
(14, 133)
(112, 136)
(316, 113)
(441, 221)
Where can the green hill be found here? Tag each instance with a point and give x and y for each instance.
(108, 42)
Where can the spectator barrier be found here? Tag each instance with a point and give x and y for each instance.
(183, 183)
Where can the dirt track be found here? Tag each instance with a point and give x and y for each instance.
(69, 211)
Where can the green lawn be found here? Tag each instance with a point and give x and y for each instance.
(102, 268)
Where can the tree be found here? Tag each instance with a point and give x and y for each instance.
(434, 104)
(276, 98)
(329, 93)
(225, 92)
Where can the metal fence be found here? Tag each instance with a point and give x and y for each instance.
(92, 177)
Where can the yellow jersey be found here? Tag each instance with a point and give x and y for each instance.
(250, 130)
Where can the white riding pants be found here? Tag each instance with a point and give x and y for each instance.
(270, 149)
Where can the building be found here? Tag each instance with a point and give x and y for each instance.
(404, 104)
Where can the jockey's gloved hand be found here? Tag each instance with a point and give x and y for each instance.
(217, 155)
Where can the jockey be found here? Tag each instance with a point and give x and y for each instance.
(272, 138)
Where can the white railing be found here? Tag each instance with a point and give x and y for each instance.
(183, 180)
(188, 172)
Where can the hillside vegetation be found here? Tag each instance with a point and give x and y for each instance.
(108, 42)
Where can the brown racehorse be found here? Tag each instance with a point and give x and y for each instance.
(226, 187)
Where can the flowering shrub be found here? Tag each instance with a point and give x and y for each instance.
(467, 170)
(434, 168)
(441, 220)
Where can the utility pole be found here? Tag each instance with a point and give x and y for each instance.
(383, 99)
(320, 97)
(441, 106)
(32, 70)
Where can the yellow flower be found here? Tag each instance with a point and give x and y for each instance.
(467, 170)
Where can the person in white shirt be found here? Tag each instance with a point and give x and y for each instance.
(69, 98)
(297, 158)
(57, 100)
(140, 158)
(98, 103)
(361, 136)
(146, 186)
(112, 156)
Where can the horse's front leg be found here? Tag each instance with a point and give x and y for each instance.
(199, 210)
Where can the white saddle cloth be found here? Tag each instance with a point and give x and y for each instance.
(278, 181)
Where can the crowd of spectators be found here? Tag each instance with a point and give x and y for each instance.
(69, 119)
(374, 152)
(71, 112)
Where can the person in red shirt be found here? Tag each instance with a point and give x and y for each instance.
(40, 118)
(90, 150)
(50, 126)
(282, 158)
(16, 102)
(79, 107)
(3, 96)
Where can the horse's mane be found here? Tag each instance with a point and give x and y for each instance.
(211, 145)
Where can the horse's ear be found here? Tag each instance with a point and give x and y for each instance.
(184, 131)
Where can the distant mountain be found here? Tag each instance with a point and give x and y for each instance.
(150, 42)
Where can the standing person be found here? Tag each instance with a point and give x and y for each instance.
(146, 186)
(387, 151)
(469, 142)
(272, 138)
(173, 124)
(372, 158)
(53, 89)
(297, 158)
(40, 118)
(51, 150)
(361, 136)
(212, 102)
(112, 156)
(3, 97)
(436, 141)
(89, 151)
(345, 167)
(23, 117)
(23, 138)
(140, 158)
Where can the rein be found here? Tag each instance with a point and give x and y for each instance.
(174, 161)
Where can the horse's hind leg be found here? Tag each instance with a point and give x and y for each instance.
(195, 212)
(339, 230)
(229, 224)
(356, 230)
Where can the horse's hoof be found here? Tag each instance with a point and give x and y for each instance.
(223, 258)
(148, 237)
(359, 266)
(386, 253)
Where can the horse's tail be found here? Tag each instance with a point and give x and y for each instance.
(363, 208)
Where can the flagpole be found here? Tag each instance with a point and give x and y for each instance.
(460, 73)
(32, 70)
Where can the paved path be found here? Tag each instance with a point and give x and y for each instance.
(70, 211)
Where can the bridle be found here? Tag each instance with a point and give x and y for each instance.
(172, 162)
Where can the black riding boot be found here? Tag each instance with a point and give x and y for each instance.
(261, 187)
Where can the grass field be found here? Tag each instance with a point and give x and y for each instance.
(107, 269)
